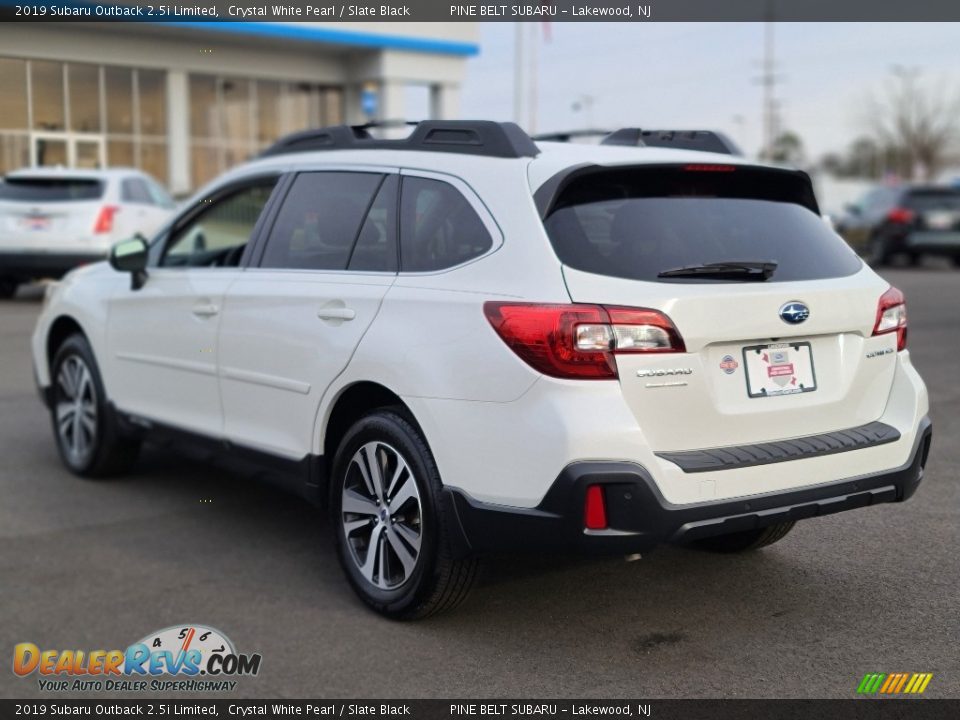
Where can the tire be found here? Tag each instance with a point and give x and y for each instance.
(956, 260)
(411, 573)
(84, 425)
(8, 288)
(745, 541)
(878, 254)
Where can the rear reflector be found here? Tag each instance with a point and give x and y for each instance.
(892, 316)
(595, 509)
(104, 223)
(580, 341)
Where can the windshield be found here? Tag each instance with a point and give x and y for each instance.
(663, 219)
(37, 189)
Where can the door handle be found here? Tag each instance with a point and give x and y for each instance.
(205, 311)
(336, 313)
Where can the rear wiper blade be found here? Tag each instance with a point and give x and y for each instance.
(734, 270)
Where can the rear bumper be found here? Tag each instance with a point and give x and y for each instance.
(34, 265)
(640, 518)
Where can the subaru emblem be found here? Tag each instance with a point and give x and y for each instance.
(794, 312)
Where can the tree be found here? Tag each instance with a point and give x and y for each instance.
(915, 124)
(787, 148)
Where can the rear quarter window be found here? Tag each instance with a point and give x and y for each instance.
(439, 229)
(50, 189)
(637, 223)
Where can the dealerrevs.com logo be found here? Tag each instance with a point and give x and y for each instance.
(179, 658)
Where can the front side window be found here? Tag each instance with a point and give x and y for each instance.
(217, 235)
(438, 227)
(320, 220)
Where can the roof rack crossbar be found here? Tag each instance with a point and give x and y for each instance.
(702, 140)
(466, 137)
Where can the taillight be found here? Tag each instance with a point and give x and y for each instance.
(892, 316)
(104, 223)
(580, 341)
(901, 216)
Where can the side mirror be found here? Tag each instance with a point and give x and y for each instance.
(131, 256)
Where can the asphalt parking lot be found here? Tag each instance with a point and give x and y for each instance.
(101, 564)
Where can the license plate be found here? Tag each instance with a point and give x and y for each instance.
(940, 220)
(779, 369)
(35, 223)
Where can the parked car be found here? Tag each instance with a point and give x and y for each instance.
(465, 342)
(52, 219)
(908, 220)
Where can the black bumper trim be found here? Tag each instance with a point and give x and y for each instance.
(640, 518)
(740, 456)
(33, 265)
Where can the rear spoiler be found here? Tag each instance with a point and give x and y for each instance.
(762, 182)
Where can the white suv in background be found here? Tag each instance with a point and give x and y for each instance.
(52, 219)
(464, 342)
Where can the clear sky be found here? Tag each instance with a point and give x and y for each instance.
(704, 75)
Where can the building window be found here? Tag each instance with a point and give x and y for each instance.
(47, 84)
(84, 93)
(232, 119)
(14, 115)
(84, 115)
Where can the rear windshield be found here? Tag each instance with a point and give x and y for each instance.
(50, 189)
(945, 199)
(637, 223)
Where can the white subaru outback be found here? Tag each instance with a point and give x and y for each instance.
(464, 342)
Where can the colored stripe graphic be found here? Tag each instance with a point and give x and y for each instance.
(894, 683)
(871, 683)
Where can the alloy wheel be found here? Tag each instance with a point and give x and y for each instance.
(381, 515)
(76, 410)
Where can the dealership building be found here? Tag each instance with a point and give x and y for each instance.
(186, 101)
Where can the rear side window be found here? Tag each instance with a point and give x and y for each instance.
(637, 223)
(438, 227)
(50, 189)
(135, 190)
(319, 221)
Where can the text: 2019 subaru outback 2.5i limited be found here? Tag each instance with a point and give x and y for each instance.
(464, 342)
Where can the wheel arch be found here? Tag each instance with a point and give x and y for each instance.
(349, 405)
(60, 329)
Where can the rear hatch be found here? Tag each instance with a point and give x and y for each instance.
(935, 218)
(778, 343)
(49, 212)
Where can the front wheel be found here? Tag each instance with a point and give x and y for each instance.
(86, 431)
(391, 536)
(746, 540)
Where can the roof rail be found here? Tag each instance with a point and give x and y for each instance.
(466, 137)
(702, 140)
(568, 135)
